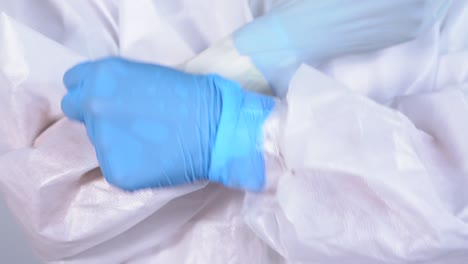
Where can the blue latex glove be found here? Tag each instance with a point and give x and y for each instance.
(154, 126)
(312, 31)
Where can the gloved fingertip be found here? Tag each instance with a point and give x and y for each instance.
(71, 105)
(74, 76)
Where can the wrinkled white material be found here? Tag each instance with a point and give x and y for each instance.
(372, 170)
(370, 184)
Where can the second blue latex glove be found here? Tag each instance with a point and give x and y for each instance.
(313, 31)
(154, 126)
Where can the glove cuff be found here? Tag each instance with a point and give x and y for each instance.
(237, 156)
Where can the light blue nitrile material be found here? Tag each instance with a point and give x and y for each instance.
(311, 31)
(154, 126)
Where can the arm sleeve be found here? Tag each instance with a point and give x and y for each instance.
(310, 31)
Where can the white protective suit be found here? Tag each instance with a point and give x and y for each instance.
(366, 159)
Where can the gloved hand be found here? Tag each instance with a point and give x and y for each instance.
(153, 126)
(312, 31)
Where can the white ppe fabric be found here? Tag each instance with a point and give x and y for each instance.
(370, 184)
(365, 165)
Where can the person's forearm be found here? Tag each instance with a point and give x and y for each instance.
(268, 51)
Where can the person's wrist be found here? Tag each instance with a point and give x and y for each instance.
(237, 154)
